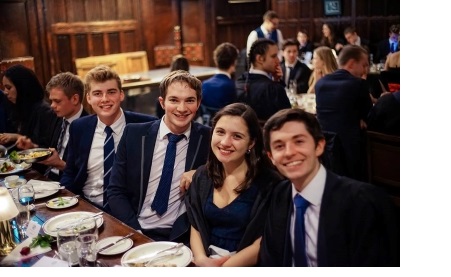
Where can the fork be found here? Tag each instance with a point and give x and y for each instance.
(164, 257)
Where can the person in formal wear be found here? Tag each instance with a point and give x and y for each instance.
(5, 114)
(262, 87)
(294, 71)
(269, 29)
(317, 218)
(94, 138)
(330, 39)
(179, 62)
(31, 113)
(66, 96)
(390, 45)
(144, 190)
(305, 47)
(342, 106)
(385, 115)
(353, 38)
(324, 62)
(219, 90)
(228, 198)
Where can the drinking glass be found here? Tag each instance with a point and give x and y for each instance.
(67, 242)
(25, 195)
(86, 242)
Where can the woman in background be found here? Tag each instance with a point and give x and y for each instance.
(324, 62)
(228, 198)
(329, 39)
(31, 113)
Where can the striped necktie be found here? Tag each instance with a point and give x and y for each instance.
(59, 144)
(108, 159)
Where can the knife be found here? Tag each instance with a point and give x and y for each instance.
(114, 243)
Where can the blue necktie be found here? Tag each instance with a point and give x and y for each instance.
(108, 159)
(160, 202)
(300, 256)
(392, 48)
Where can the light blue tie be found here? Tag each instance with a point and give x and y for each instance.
(108, 159)
(160, 202)
(300, 257)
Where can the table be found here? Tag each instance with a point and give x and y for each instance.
(142, 94)
(111, 226)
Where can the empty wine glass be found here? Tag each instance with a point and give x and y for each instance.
(25, 195)
(67, 240)
(88, 234)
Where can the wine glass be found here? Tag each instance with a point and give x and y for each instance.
(25, 195)
(67, 240)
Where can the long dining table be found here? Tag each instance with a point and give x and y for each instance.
(110, 227)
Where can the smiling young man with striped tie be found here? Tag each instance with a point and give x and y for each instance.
(93, 138)
(144, 190)
(316, 217)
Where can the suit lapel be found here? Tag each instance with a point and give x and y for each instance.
(195, 141)
(86, 140)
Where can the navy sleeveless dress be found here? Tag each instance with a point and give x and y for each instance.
(227, 225)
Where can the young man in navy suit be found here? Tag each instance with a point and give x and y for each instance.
(345, 222)
(293, 69)
(141, 157)
(66, 92)
(84, 173)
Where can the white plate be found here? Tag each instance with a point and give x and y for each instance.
(152, 247)
(65, 219)
(18, 183)
(120, 247)
(18, 168)
(43, 189)
(67, 200)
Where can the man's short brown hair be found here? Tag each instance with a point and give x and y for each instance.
(101, 74)
(183, 77)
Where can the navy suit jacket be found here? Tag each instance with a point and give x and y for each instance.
(81, 134)
(300, 73)
(358, 226)
(342, 100)
(383, 49)
(218, 91)
(133, 163)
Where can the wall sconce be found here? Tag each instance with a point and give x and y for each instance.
(8, 210)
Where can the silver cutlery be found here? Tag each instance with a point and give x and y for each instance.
(165, 257)
(57, 200)
(145, 259)
(76, 222)
(114, 243)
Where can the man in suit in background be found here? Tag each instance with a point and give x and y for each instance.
(85, 173)
(219, 90)
(305, 47)
(354, 39)
(66, 96)
(138, 176)
(293, 69)
(267, 30)
(342, 106)
(262, 87)
(390, 45)
(317, 218)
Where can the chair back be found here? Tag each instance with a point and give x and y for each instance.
(383, 153)
(391, 79)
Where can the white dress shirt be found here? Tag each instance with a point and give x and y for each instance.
(313, 193)
(253, 37)
(148, 218)
(93, 188)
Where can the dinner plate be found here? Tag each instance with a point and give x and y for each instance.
(64, 202)
(27, 155)
(146, 250)
(52, 224)
(118, 248)
(17, 168)
(44, 189)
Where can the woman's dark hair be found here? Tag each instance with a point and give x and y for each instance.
(29, 90)
(256, 159)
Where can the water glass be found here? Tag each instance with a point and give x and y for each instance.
(25, 195)
(87, 250)
(67, 245)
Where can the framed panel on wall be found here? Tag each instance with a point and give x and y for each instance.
(332, 7)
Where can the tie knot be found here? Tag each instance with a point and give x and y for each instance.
(300, 202)
(108, 131)
(65, 123)
(175, 138)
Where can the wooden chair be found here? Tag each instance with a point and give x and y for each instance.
(383, 152)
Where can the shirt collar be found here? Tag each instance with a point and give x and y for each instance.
(224, 73)
(313, 192)
(116, 126)
(164, 130)
(258, 71)
(75, 116)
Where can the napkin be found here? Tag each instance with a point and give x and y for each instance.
(15, 255)
(218, 252)
(35, 182)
